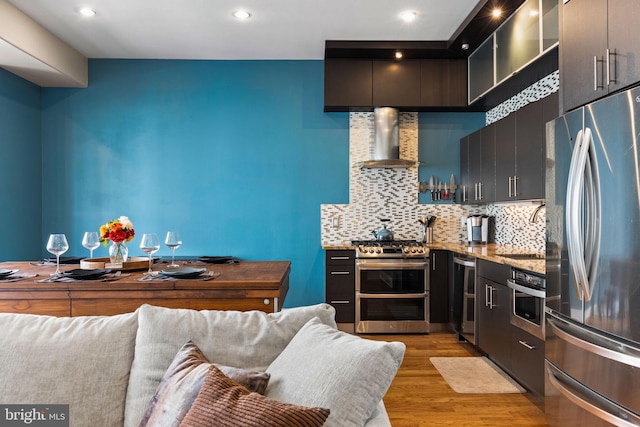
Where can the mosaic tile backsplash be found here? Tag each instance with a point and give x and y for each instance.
(393, 193)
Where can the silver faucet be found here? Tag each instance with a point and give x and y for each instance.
(534, 215)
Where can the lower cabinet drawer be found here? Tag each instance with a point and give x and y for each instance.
(527, 359)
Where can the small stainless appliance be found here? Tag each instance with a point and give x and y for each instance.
(392, 287)
(462, 298)
(478, 229)
(527, 301)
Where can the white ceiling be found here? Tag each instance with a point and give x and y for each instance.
(205, 29)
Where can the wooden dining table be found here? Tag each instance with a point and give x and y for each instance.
(246, 285)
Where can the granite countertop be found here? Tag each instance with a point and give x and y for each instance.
(490, 252)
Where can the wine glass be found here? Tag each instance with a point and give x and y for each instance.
(150, 245)
(173, 242)
(91, 241)
(57, 245)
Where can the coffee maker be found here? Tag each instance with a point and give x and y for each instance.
(478, 229)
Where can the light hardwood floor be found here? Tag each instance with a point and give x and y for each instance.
(419, 396)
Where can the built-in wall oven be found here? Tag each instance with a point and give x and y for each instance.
(392, 288)
(527, 301)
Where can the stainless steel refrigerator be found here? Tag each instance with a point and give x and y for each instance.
(592, 364)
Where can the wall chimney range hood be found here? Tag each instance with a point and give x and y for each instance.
(386, 141)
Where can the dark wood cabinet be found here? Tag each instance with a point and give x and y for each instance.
(340, 286)
(475, 165)
(465, 180)
(347, 82)
(598, 49)
(410, 84)
(396, 83)
(487, 184)
(440, 265)
(520, 154)
(505, 145)
(527, 360)
(494, 328)
(443, 82)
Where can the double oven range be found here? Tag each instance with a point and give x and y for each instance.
(392, 286)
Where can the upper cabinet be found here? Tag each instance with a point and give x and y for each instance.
(396, 83)
(526, 36)
(599, 50)
(505, 161)
(414, 84)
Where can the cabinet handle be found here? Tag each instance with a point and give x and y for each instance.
(596, 86)
(341, 258)
(480, 190)
(433, 267)
(340, 273)
(464, 193)
(340, 302)
(515, 186)
(486, 295)
(609, 79)
(529, 346)
(510, 184)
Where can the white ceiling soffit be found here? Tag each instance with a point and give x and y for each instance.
(206, 29)
(33, 53)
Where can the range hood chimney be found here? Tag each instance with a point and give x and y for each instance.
(386, 140)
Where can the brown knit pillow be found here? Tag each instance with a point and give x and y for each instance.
(182, 381)
(223, 402)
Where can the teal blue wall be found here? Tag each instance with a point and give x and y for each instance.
(236, 155)
(439, 145)
(20, 169)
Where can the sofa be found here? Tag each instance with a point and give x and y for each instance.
(148, 367)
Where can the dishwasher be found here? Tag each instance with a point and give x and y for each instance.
(462, 299)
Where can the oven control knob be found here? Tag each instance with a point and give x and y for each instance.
(378, 250)
(406, 250)
(413, 250)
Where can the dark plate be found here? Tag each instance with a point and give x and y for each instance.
(218, 259)
(5, 273)
(82, 274)
(183, 273)
(66, 259)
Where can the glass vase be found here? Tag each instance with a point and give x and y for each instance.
(118, 253)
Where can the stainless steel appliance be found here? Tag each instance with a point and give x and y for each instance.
(478, 229)
(593, 247)
(527, 301)
(463, 298)
(392, 287)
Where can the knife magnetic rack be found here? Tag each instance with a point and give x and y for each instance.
(439, 191)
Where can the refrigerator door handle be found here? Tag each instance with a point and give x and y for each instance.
(589, 400)
(572, 216)
(592, 342)
(593, 223)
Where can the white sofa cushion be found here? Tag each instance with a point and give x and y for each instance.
(80, 361)
(328, 368)
(249, 340)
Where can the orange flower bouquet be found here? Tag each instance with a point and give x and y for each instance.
(118, 231)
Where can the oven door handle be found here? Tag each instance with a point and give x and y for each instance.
(393, 296)
(386, 265)
(525, 290)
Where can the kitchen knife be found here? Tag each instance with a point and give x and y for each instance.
(453, 187)
(431, 186)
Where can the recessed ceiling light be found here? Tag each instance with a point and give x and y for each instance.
(408, 15)
(85, 11)
(496, 13)
(241, 14)
(398, 54)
